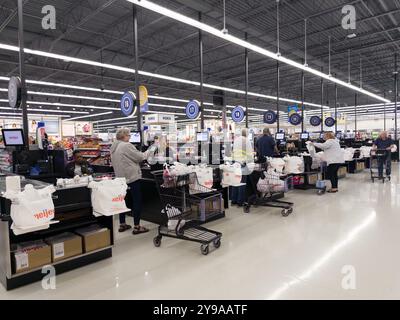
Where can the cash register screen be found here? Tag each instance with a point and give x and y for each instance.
(280, 136)
(305, 136)
(202, 137)
(13, 137)
(135, 137)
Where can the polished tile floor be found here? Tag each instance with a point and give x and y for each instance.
(339, 246)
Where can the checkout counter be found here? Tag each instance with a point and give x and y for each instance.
(73, 210)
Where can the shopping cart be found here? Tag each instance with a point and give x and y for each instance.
(185, 204)
(268, 191)
(377, 156)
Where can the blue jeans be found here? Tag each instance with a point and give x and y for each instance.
(136, 205)
(385, 161)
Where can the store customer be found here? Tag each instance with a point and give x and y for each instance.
(384, 143)
(126, 161)
(334, 156)
(266, 146)
(243, 154)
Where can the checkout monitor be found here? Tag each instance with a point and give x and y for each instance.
(136, 137)
(280, 136)
(305, 136)
(202, 137)
(13, 137)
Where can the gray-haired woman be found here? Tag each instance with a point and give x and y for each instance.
(126, 160)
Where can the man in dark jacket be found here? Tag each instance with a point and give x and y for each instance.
(384, 144)
(266, 145)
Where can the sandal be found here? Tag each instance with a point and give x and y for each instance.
(124, 227)
(139, 230)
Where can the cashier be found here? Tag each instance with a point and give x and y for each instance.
(126, 161)
(78, 166)
(163, 150)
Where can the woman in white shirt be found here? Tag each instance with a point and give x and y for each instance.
(243, 153)
(334, 156)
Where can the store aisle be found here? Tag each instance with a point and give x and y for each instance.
(263, 256)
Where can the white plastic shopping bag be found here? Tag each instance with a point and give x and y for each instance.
(204, 176)
(277, 164)
(108, 196)
(294, 165)
(349, 154)
(181, 169)
(263, 185)
(231, 174)
(31, 209)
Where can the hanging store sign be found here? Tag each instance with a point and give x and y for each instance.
(315, 121)
(330, 122)
(341, 118)
(159, 118)
(238, 114)
(127, 104)
(270, 117)
(14, 92)
(143, 99)
(293, 109)
(193, 109)
(295, 119)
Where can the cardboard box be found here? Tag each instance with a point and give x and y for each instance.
(31, 255)
(94, 237)
(360, 166)
(312, 179)
(342, 172)
(65, 245)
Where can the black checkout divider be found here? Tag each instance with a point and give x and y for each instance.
(151, 203)
(40, 165)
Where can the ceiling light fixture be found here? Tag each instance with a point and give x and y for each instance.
(145, 73)
(245, 44)
(90, 116)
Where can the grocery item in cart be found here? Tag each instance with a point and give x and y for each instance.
(294, 165)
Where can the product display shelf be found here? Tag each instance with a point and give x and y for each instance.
(88, 149)
(5, 160)
(73, 210)
(90, 155)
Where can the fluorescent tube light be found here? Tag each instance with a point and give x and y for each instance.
(230, 38)
(145, 73)
(90, 116)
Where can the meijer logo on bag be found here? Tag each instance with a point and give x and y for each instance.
(46, 213)
(120, 198)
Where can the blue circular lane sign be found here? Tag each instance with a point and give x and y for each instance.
(127, 103)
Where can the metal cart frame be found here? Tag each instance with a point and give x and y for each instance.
(179, 195)
(270, 199)
(376, 156)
